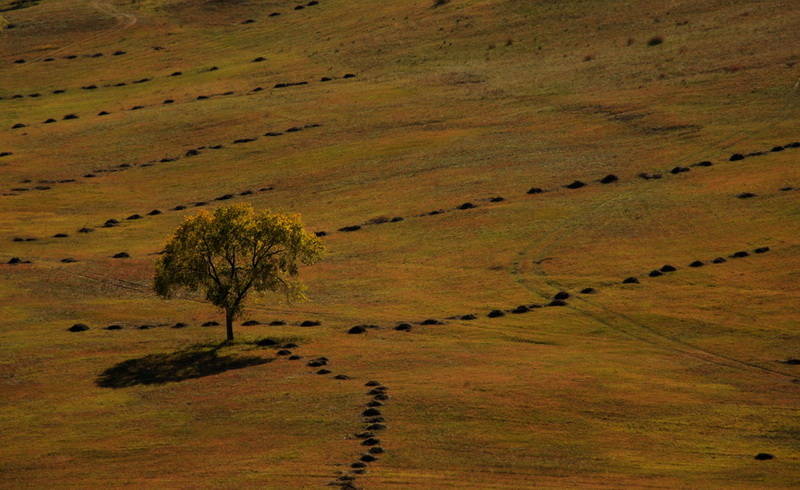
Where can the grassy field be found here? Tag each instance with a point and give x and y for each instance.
(677, 381)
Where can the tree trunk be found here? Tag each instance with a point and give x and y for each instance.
(229, 323)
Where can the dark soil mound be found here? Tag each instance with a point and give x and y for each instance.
(764, 456)
(609, 179)
(111, 222)
(575, 185)
(210, 324)
(350, 228)
(68, 260)
(283, 352)
(431, 321)
(85, 230)
(668, 268)
(468, 317)
(630, 280)
(276, 323)
(250, 323)
(357, 330)
(371, 412)
(179, 208)
(295, 357)
(357, 464)
(435, 212)
(777, 148)
(154, 212)
(349, 75)
(144, 327)
(520, 309)
(114, 327)
(368, 458)
(403, 327)
(372, 383)
(745, 195)
(310, 323)
(466, 205)
(371, 441)
(49, 121)
(696, 263)
(557, 302)
(376, 450)
(495, 314)
(739, 255)
(761, 250)
(180, 325)
(655, 273)
(705, 163)
(736, 157)
(497, 199)
(561, 295)
(134, 216)
(78, 327)
(121, 255)
(341, 376)
(324, 371)
(535, 190)
(317, 363)
(60, 235)
(376, 427)
(588, 291)
(678, 170)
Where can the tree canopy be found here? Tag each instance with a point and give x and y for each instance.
(234, 251)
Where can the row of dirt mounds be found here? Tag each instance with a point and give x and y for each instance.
(94, 87)
(170, 101)
(374, 425)
(45, 184)
(194, 363)
(373, 419)
(558, 300)
(667, 269)
(750, 195)
(113, 223)
(73, 57)
(82, 327)
(274, 13)
(577, 184)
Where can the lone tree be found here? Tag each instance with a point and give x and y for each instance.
(233, 251)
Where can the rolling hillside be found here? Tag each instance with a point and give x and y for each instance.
(582, 216)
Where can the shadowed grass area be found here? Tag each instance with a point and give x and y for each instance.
(196, 361)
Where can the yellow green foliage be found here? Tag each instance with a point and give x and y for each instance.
(233, 251)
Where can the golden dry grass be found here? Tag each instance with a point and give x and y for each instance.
(675, 382)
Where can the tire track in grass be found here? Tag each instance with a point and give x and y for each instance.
(638, 330)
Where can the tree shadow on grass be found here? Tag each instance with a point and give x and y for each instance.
(193, 362)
